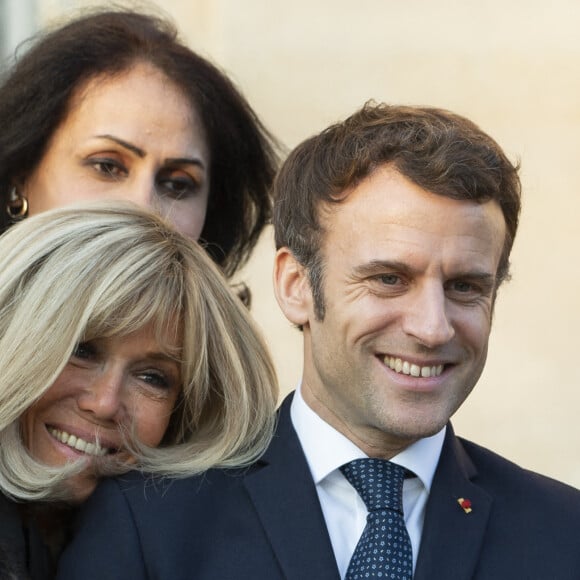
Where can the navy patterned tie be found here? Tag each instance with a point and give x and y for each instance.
(384, 549)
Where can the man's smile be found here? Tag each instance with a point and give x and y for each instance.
(407, 368)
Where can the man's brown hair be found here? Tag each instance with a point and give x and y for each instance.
(439, 151)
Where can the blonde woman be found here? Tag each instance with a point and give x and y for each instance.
(121, 346)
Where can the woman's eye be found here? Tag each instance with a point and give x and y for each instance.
(84, 351)
(108, 167)
(178, 187)
(155, 379)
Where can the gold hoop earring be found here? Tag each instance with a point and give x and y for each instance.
(17, 206)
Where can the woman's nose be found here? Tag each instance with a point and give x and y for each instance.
(141, 190)
(102, 397)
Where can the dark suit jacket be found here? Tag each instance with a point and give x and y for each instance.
(265, 523)
(12, 540)
(22, 553)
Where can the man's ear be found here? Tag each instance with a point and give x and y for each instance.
(292, 287)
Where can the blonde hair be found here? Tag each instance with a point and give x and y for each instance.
(107, 270)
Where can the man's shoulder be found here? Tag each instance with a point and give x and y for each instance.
(147, 487)
(505, 479)
(138, 490)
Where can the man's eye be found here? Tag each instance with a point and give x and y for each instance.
(389, 279)
(463, 287)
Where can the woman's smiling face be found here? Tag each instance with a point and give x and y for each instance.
(109, 387)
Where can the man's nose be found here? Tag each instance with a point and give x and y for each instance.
(427, 318)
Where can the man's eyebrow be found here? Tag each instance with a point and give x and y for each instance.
(378, 266)
(476, 275)
(485, 280)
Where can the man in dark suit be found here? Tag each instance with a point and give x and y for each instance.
(393, 231)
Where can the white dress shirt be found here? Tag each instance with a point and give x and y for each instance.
(344, 511)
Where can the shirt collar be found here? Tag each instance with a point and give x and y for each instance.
(326, 449)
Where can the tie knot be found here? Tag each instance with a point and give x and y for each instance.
(378, 482)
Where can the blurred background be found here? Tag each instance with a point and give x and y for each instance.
(513, 67)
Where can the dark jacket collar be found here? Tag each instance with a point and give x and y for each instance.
(286, 501)
(452, 535)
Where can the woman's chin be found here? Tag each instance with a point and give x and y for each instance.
(79, 487)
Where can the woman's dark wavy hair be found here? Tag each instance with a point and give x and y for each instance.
(36, 92)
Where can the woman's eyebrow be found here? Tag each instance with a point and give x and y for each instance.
(184, 161)
(133, 148)
(141, 153)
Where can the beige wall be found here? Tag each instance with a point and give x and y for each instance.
(510, 65)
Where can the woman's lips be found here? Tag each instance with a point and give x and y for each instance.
(79, 444)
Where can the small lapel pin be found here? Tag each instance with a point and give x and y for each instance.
(465, 505)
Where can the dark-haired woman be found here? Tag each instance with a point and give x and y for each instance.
(113, 105)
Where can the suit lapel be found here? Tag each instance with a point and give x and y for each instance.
(452, 539)
(286, 501)
(285, 498)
